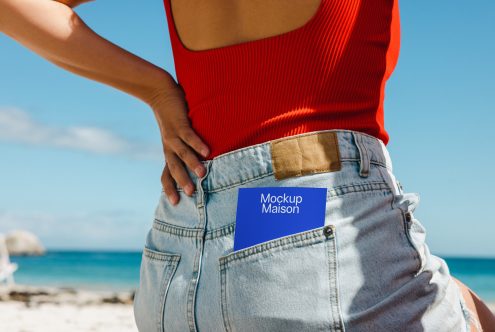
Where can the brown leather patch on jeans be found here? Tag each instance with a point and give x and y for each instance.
(305, 154)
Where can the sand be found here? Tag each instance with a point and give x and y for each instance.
(40, 309)
(50, 309)
(16, 317)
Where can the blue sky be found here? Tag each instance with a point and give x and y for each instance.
(101, 193)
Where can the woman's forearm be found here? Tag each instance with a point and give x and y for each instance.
(55, 32)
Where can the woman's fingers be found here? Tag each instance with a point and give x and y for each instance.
(189, 136)
(181, 145)
(176, 154)
(179, 173)
(187, 155)
(168, 184)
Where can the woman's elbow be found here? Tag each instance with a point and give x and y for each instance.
(72, 3)
(3, 14)
(9, 9)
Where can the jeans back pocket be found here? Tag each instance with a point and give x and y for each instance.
(288, 283)
(156, 272)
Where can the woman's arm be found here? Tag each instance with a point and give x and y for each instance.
(72, 3)
(54, 31)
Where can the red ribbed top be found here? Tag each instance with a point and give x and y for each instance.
(329, 73)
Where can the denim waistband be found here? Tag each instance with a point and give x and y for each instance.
(238, 166)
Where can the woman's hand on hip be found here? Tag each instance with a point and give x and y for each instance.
(53, 30)
(181, 144)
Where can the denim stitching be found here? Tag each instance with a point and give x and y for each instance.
(337, 284)
(339, 191)
(338, 323)
(263, 175)
(163, 256)
(176, 230)
(223, 300)
(312, 236)
(364, 159)
(390, 187)
(356, 188)
(405, 231)
(165, 284)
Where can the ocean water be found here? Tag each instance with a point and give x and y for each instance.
(477, 273)
(93, 270)
(103, 270)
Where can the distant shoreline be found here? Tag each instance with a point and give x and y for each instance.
(134, 251)
(118, 270)
(35, 295)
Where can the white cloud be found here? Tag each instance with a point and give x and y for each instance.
(18, 126)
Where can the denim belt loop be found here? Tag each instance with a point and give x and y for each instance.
(364, 157)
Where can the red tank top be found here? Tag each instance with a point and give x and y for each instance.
(329, 73)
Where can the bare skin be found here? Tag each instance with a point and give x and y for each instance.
(215, 23)
(54, 31)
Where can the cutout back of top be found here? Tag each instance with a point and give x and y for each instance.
(204, 26)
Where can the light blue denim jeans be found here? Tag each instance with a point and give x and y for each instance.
(368, 269)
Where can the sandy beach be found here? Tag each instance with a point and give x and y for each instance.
(49, 309)
(40, 309)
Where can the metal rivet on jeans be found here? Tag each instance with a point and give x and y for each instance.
(328, 230)
(408, 216)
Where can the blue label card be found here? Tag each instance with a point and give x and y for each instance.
(266, 213)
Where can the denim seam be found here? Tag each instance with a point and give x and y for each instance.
(165, 227)
(364, 159)
(236, 184)
(356, 188)
(176, 230)
(162, 256)
(405, 233)
(338, 324)
(263, 175)
(223, 299)
(384, 178)
(310, 237)
(405, 230)
(270, 174)
(169, 271)
(337, 284)
(191, 295)
(339, 191)
(221, 231)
